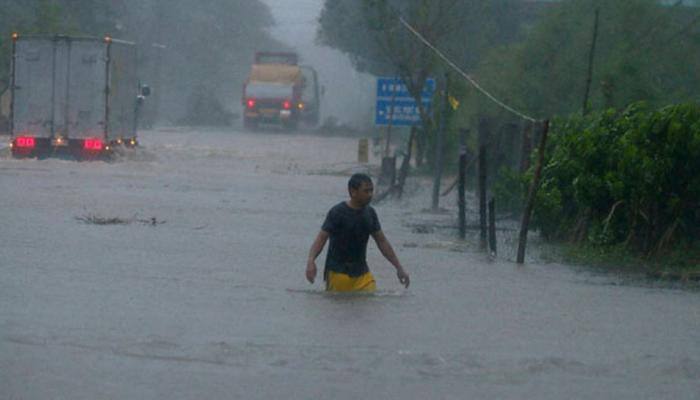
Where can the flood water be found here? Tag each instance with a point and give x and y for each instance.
(211, 300)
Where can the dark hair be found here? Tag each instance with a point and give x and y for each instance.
(356, 181)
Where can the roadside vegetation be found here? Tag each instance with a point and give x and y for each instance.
(617, 80)
(625, 182)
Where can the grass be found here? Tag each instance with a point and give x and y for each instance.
(682, 263)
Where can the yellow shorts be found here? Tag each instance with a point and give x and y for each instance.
(337, 282)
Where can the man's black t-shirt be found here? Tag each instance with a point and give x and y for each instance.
(349, 231)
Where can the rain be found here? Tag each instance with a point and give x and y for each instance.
(166, 165)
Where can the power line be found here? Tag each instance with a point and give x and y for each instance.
(465, 75)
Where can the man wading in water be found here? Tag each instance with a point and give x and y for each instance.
(349, 225)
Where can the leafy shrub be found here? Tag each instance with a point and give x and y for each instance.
(510, 189)
(629, 177)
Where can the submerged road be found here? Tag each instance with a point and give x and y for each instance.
(177, 272)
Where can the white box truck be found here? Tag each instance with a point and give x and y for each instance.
(73, 95)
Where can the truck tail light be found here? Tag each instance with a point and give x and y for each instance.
(250, 103)
(25, 142)
(92, 144)
(287, 105)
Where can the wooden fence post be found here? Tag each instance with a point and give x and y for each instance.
(525, 223)
(492, 226)
(483, 135)
(462, 202)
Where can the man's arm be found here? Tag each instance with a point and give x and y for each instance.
(389, 254)
(315, 250)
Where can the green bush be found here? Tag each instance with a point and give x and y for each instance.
(626, 177)
(510, 189)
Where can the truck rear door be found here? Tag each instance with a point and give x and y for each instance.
(59, 88)
(33, 90)
(85, 89)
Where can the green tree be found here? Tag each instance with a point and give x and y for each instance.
(192, 50)
(626, 177)
(370, 32)
(645, 51)
(84, 17)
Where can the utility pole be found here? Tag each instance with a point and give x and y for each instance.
(388, 172)
(439, 144)
(387, 145)
(591, 58)
(158, 46)
(484, 135)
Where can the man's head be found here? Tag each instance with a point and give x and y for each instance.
(361, 189)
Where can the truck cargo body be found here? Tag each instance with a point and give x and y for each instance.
(72, 95)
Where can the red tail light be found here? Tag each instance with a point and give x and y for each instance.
(25, 142)
(287, 105)
(92, 144)
(250, 103)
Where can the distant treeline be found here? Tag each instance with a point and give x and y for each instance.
(190, 52)
(533, 55)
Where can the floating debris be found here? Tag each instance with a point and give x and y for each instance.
(98, 220)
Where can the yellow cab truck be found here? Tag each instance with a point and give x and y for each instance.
(280, 91)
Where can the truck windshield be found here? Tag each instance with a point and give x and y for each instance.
(269, 90)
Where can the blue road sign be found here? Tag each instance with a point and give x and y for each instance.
(396, 106)
(394, 87)
(404, 113)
